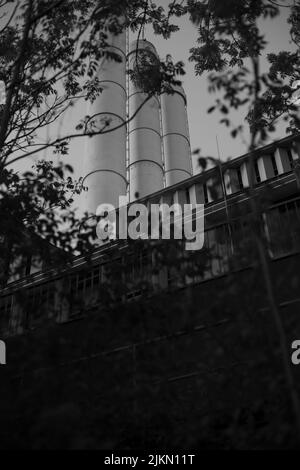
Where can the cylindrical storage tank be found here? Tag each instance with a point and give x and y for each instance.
(145, 147)
(176, 142)
(105, 156)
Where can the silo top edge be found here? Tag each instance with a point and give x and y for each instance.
(141, 44)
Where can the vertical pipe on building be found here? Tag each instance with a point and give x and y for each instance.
(145, 159)
(177, 152)
(105, 156)
(127, 116)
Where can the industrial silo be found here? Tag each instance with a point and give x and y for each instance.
(176, 143)
(145, 163)
(105, 156)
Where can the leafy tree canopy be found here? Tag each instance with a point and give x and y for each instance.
(50, 53)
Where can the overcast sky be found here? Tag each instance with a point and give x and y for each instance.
(203, 127)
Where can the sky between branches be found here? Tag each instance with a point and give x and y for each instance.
(203, 127)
